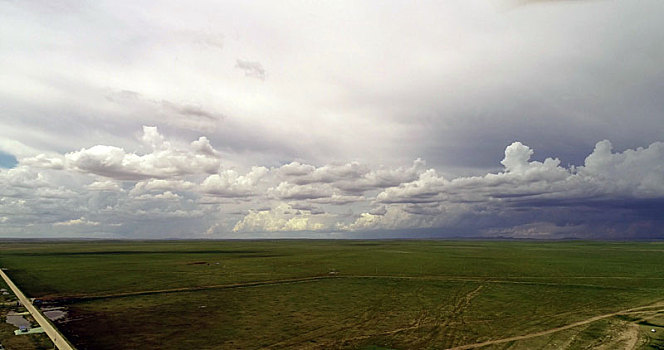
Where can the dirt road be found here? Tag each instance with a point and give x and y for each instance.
(554, 330)
(52, 332)
(188, 289)
(73, 298)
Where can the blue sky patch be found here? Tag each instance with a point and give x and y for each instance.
(7, 160)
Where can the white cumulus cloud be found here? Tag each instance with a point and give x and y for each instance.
(281, 218)
(229, 183)
(165, 160)
(82, 221)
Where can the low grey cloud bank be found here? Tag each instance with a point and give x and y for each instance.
(104, 190)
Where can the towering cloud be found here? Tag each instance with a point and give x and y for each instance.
(629, 182)
(164, 160)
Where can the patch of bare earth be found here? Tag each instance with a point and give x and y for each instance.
(626, 337)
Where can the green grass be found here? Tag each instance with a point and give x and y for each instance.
(387, 294)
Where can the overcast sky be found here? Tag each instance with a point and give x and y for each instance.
(359, 119)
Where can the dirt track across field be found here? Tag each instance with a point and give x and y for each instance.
(562, 328)
(74, 298)
(189, 289)
(52, 332)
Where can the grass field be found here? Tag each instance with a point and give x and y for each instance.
(381, 294)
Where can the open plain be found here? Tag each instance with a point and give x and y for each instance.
(316, 294)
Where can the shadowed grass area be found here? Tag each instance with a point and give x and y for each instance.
(385, 294)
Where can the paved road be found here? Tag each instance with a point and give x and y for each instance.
(52, 332)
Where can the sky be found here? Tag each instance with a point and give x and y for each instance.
(332, 119)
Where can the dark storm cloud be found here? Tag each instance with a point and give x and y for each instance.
(624, 188)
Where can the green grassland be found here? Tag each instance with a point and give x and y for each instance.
(381, 294)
